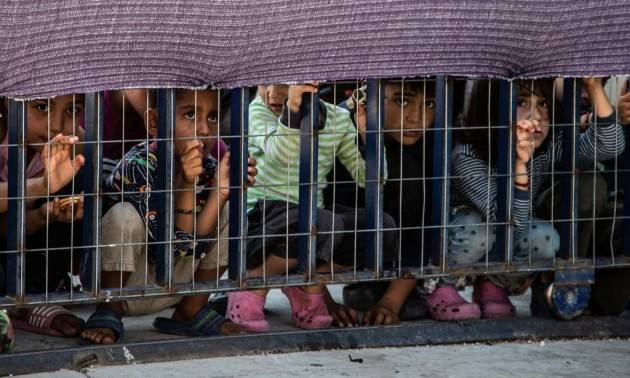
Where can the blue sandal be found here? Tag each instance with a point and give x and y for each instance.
(104, 319)
(205, 323)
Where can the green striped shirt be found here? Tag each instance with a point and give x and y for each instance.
(277, 151)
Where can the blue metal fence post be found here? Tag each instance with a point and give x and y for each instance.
(91, 188)
(239, 114)
(505, 165)
(569, 181)
(440, 172)
(307, 206)
(164, 183)
(17, 120)
(374, 185)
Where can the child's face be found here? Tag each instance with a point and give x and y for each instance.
(196, 116)
(47, 118)
(407, 108)
(534, 107)
(274, 96)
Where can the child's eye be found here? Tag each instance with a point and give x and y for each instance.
(74, 110)
(543, 104)
(429, 104)
(521, 102)
(190, 115)
(42, 107)
(402, 102)
(213, 118)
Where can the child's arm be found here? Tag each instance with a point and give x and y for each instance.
(279, 140)
(386, 311)
(604, 139)
(623, 105)
(472, 180)
(47, 213)
(59, 169)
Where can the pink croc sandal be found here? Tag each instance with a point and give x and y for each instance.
(493, 300)
(309, 310)
(246, 309)
(446, 304)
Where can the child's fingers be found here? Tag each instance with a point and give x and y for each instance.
(192, 145)
(252, 161)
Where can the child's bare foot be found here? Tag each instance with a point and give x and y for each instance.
(99, 335)
(67, 325)
(229, 328)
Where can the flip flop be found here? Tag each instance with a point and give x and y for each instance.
(206, 322)
(39, 320)
(104, 319)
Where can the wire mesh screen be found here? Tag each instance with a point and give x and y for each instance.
(160, 193)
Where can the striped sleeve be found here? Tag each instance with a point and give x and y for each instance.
(279, 144)
(479, 189)
(603, 140)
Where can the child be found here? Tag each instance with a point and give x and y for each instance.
(474, 197)
(273, 204)
(50, 166)
(408, 111)
(202, 184)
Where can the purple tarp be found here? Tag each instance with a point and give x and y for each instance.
(50, 47)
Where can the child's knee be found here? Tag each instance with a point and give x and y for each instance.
(469, 238)
(123, 233)
(543, 242)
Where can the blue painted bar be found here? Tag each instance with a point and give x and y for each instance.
(15, 231)
(570, 133)
(90, 271)
(166, 130)
(439, 190)
(505, 167)
(239, 116)
(374, 186)
(307, 198)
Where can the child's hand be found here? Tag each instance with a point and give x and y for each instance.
(591, 83)
(222, 176)
(57, 211)
(190, 163)
(525, 130)
(295, 94)
(343, 316)
(623, 108)
(59, 167)
(380, 315)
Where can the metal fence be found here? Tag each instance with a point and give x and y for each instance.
(73, 253)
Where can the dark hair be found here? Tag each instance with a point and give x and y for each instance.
(484, 102)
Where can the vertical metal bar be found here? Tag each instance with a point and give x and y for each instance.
(374, 185)
(440, 172)
(307, 202)
(15, 222)
(166, 125)
(505, 158)
(91, 185)
(239, 115)
(570, 133)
